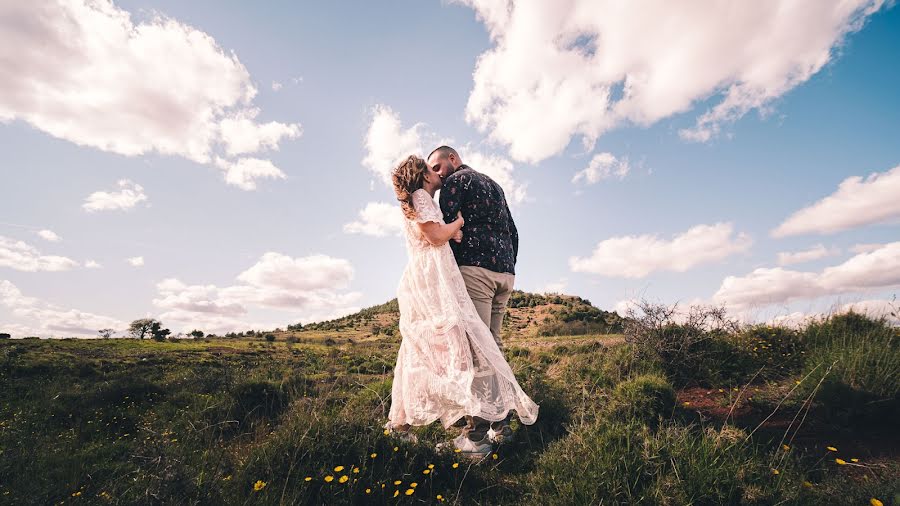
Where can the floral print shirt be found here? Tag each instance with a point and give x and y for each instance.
(490, 239)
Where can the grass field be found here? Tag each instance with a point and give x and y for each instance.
(760, 416)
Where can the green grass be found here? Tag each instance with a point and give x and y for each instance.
(200, 422)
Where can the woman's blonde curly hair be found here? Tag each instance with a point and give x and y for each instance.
(408, 177)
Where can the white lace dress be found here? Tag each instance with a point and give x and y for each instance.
(448, 365)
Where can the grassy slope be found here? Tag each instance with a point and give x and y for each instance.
(202, 422)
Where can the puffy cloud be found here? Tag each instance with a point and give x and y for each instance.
(638, 256)
(798, 257)
(24, 257)
(51, 318)
(128, 196)
(582, 67)
(603, 166)
(244, 172)
(866, 271)
(311, 285)
(555, 287)
(857, 202)
(49, 235)
(92, 264)
(136, 261)
(387, 143)
(85, 72)
(377, 219)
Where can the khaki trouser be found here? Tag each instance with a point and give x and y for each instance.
(489, 292)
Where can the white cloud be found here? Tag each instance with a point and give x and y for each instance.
(311, 285)
(377, 219)
(128, 196)
(866, 271)
(876, 308)
(276, 86)
(85, 72)
(603, 166)
(798, 257)
(866, 247)
(52, 319)
(856, 203)
(136, 261)
(244, 172)
(638, 256)
(558, 287)
(91, 264)
(387, 142)
(49, 235)
(24, 257)
(582, 67)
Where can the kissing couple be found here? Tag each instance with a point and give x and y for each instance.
(452, 298)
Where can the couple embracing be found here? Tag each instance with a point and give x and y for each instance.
(452, 299)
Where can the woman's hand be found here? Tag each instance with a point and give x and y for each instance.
(460, 218)
(458, 236)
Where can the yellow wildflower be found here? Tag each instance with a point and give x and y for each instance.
(396, 448)
(413, 485)
(494, 456)
(368, 490)
(355, 470)
(854, 460)
(430, 466)
(807, 484)
(776, 472)
(426, 471)
(875, 502)
(786, 447)
(344, 479)
(831, 449)
(440, 498)
(396, 493)
(455, 465)
(226, 478)
(338, 469)
(259, 485)
(386, 432)
(841, 461)
(308, 478)
(329, 478)
(373, 455)
(409, 491)
(397, 482)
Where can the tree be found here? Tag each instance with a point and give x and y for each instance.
(4, 336)
(159, 333)
(197, 334)
(140, 328)
(270, 337)
(105, 333)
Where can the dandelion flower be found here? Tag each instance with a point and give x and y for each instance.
(397, 482)
(308, 478)
(430, 466)
(854, 460)
(338, 469)
(831, 449)
(413, 485)
(426, 471)
(455, 465)
(226, 478)
(355, 470)
(373, 455)
(259, 485)
(457, 450)
(409, 491)
(686, 403)
(875, 502)
(396, 493)
(396, 448)
(329, 478)
(786, 447)
(386, 432)
(440, 498)
(494, 456)
(807, 484)
(841, 461)
(776, 472)
(344, 478)
(368, 490)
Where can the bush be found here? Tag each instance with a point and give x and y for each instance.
(270, 337)
(647, 398)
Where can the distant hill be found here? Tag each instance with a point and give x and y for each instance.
(528, 315)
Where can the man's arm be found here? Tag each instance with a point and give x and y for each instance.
(514, 235)
(450, 199)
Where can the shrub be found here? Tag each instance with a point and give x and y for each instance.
(270, 337)
(647, 398)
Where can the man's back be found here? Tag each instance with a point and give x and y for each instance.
(490, 239)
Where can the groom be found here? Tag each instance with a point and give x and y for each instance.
(486, 255)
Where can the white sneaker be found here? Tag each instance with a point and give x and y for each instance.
(467, 448)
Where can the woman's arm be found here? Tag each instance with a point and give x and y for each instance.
(439, 233)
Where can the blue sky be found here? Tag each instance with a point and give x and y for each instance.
(712, 154)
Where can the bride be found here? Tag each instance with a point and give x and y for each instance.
(448, 367)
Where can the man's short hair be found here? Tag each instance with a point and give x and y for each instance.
(445, 152)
